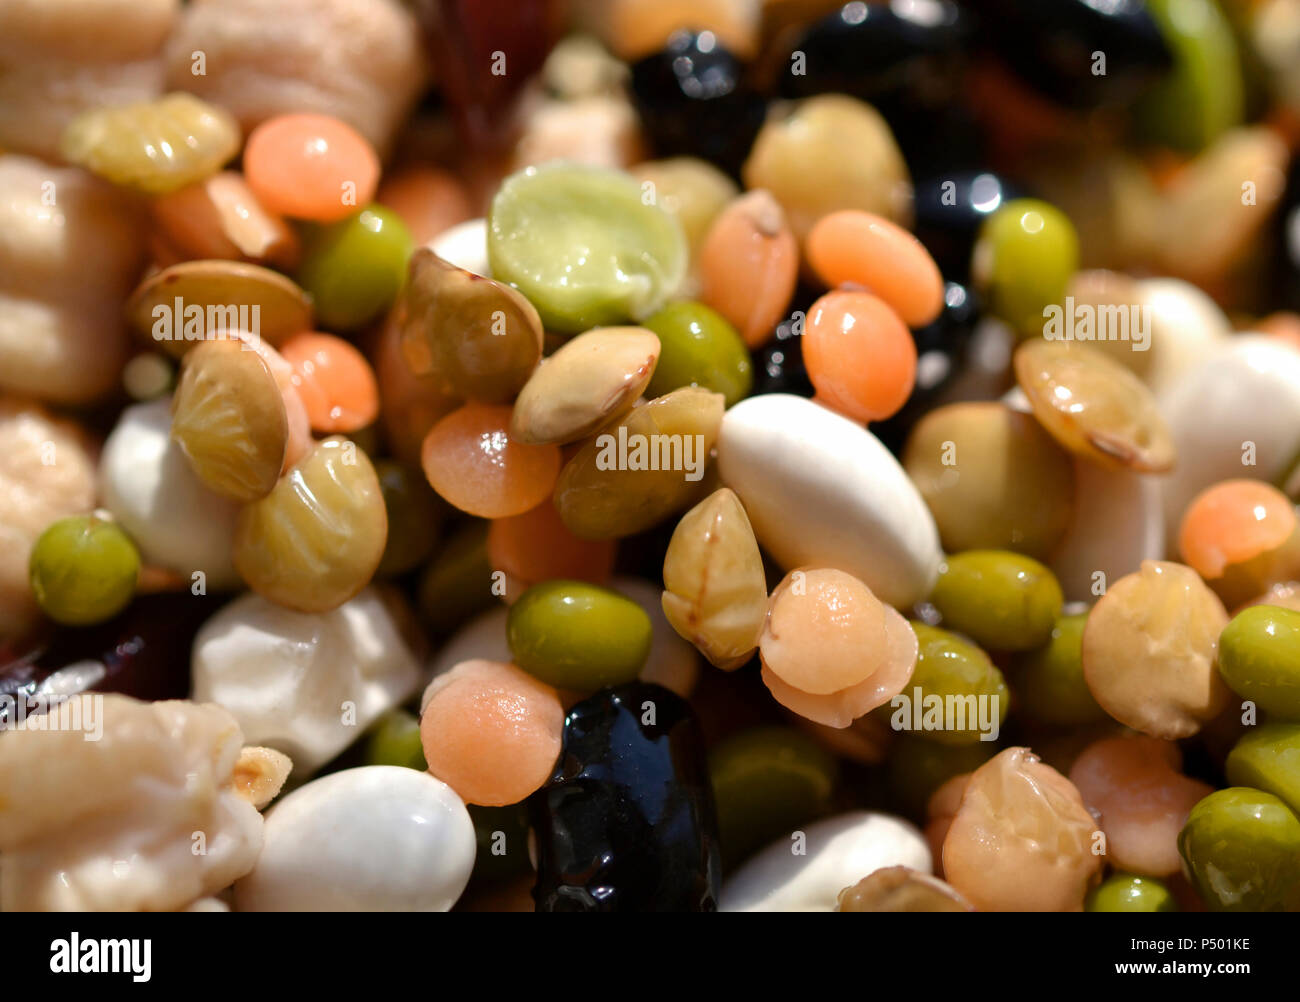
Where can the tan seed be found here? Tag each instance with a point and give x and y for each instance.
(588, 382)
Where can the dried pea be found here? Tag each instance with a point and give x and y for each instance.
(317, 538)
(229, 419)
(828, 153)
(1149, 651)
(395, 740)
(153, 147)
(1267, 757)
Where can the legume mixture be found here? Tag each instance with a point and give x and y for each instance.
(640, 455)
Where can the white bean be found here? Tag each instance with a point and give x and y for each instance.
(1236, 414)
(148, 485)
(820, 489)
(375, 838)
(838, 852)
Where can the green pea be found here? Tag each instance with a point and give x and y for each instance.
(1126, 892)
(354, 268)
(1204, 94)
(395, 740)
(1003, 601)
(698, 347)
(575, 635)
(1267, 757)
(961, 676)
(414, 517)
(1259, 658)
(501, 834)
(83, 570)
(457, 584)
(768, 781)
(583, 246)
(917, 767)
(1241, 851)
(1025, 256)
(1049, 681)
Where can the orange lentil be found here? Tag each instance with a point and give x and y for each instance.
(1135, 784)
(311, 167)
(220, 217)
(538, 546)
(1233, 522)
(860, 356)
(335, 382)
(862, 248)
(749, 264)
(470, 460)
(491, 732)
(427, 199)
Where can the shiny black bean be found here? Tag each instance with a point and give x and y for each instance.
(627, 822)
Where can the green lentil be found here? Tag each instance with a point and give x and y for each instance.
(1049, 681)
(83, 570)
(395, 740)
(1267, 758)
(1259, 658)
(1025, 256)
(768, 781)
(1126, 892)
(414, 517)
(354, 268)
(1204, 94)
(1002, 600)
(951, 668)
(1241, 851)
(699, 348)
(575, 635)
(457, 583)
(917, 767)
